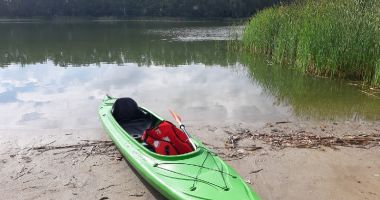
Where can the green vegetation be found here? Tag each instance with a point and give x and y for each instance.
(132, 8)
(334, 38)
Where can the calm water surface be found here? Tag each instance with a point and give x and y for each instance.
(53, 75)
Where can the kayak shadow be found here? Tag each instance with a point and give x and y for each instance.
(153, 191)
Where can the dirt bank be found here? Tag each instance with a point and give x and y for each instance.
(83, 164)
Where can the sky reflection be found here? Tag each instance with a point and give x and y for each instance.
(45, 96)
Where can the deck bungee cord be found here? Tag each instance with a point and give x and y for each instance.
(196, 179)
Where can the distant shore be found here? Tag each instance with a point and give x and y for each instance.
(115, 19)
(84, 164)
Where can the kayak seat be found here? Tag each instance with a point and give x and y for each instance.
(131, 118)
(167, 139)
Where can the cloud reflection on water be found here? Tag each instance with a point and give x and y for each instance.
(46, 96)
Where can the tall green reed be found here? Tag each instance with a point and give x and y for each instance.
(335, 38)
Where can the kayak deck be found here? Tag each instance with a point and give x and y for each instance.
(199, 174)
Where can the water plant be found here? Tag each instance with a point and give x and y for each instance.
(334, 38)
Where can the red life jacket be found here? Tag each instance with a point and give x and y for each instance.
(167, 139)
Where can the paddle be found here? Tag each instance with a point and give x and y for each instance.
(181, 126)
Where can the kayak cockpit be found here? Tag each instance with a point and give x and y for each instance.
(131, 118)
(159, 136)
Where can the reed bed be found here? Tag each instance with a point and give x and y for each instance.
(333, 38)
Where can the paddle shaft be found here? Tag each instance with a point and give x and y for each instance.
(183, 128)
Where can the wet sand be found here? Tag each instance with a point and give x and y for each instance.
(87, 165)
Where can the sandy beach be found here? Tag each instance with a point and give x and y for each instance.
(84, 164)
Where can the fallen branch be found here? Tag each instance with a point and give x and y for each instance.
(256, 171)
(308, 140)
(23, 171)
(77, 146)
(91, 148)
(282, 122)
(140, 194)
(103, 188)
(303, 139)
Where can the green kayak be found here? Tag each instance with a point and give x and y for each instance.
(198, 174)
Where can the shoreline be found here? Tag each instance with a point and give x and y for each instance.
(91, 167)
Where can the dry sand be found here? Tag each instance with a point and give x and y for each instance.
(97, 171)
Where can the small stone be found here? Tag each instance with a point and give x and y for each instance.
(248, 181)
(241, 151)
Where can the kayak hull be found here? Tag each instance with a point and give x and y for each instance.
(196, 175)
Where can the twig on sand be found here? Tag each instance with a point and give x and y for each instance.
(78, 146)
(23, 171)
(282, 122)
(256, 171)
(140, 194)
(50, 143)
(103, 188)
(88, 154)
(97, 147)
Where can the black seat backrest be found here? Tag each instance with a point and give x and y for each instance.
(126, 109)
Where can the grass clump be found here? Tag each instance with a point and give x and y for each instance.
(335, 38)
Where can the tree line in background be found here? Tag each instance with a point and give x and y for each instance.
(133, 8)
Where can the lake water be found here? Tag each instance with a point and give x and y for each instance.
(54, 75)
